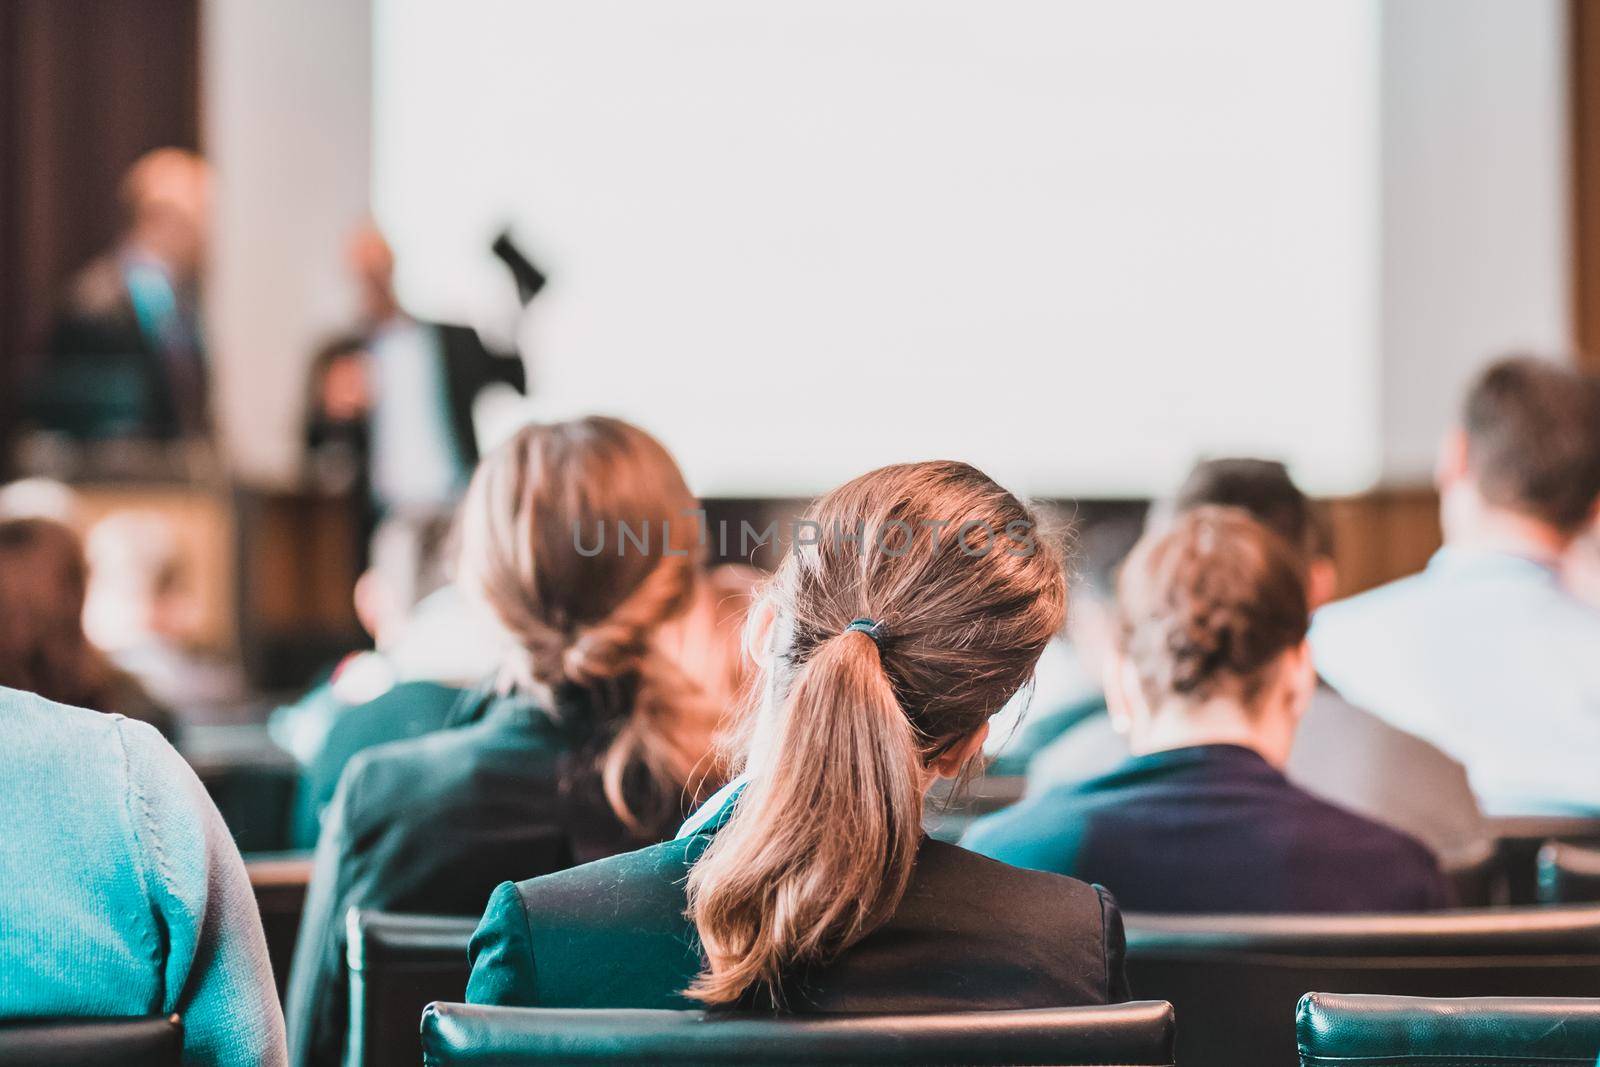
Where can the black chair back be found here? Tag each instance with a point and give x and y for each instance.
(1342, 1029)
(1235, 980)
(1124, 1034)
(1476, 877)
(155, 1041)
(1568, 874)
(1519, 839)
(398, 964)
(279, 881)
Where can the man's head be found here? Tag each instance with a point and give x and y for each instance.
(1526, 456)
(167, 198)
(1263, 489)
(371, 264)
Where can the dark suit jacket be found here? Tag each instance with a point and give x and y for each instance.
(1213, 828)
(469, 368)
(108, 376)
(970, 934)
(408, 710)
(432, 825)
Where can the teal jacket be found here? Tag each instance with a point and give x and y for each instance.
(121, 892)
(970, 934)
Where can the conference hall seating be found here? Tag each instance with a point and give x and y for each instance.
(398, 964)
(1134, 1035)
(155, 1041)
(1568, 874)
(1344, 1029)
(279, 881)
(1518, 841)
(1235, 980)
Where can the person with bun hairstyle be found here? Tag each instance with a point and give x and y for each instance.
(1208, 680)
(885, 645)
(595, 738)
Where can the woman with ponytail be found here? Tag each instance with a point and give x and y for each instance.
(583, 542)
(885, 644)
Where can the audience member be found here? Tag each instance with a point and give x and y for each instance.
(1484, 653)
(808, 884)
(1077, 741)
(1210, 676)
(43, 648)
(1341, 753)
(141, 611)
(123, 893)
(597, 730)
(132, 315)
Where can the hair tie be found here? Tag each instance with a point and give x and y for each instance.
(870, 627)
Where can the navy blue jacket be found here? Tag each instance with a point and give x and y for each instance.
(1215, 829)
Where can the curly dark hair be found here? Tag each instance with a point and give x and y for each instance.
(1207, 603)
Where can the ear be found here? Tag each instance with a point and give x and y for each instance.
(949, 764)
(1301, 671)
(1452, 464)
(1122, 690)
(1322, 581)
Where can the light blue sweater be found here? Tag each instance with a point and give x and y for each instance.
(121, 892)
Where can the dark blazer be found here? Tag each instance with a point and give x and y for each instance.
(970, 934)
(1213, 828)
(110, 376)
(432, 825)
(469, 368)
(407, 710)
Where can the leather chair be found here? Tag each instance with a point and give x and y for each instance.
(1133, 1034)
(1235, 980)
(155, 1041)
(1339, 1028)
(397, 965)
(1568, 874)
(1519, 839)
(1475, 876)
(279, 881)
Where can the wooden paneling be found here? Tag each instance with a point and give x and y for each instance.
(1583, 27)
(1383, 535)
(86, 87)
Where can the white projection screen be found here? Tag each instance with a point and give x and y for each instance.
(1075, 243)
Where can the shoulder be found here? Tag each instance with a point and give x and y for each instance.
(983, 876)
(645, 880)
(445, 760)
(1042, 831)
(1356, 613)
(98, 289)
(32, 724)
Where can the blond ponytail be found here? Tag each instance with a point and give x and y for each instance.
(821, 845)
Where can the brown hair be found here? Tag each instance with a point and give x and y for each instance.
(965, 593)
(1533, 439)
(1208, 602)
(582, 538)
(43, 649)
(1263, 489)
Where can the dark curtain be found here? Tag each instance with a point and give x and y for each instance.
(86, 87)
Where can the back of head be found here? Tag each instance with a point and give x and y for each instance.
(43, 581)
(582, 539)
(920, 608)
(1263, 489)
(1533, 440)
(1206, 604)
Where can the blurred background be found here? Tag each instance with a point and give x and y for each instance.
(1080, 244)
